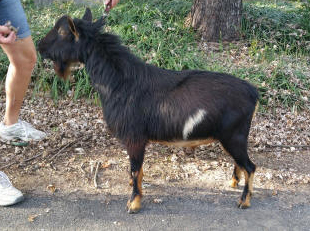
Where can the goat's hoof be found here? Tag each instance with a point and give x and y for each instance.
(134, 206)
(234, 184)
(133, 211)
(243, 204)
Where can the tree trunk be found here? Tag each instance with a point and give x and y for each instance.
(217, 19)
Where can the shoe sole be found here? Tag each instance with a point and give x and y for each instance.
(19, 143)
(17, 200)
(15, 142)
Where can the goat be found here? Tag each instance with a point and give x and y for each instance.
(143, 103)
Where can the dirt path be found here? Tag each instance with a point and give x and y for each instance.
(176, 212)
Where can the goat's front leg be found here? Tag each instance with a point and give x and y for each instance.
(136, 155)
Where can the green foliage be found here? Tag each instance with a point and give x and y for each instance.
(279, 46)
(154, 30)
(279, 25)
(305, 18)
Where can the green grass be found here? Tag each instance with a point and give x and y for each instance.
(273, 53)
(279, 34)
(281, 25)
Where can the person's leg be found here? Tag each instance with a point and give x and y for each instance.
(22, 56)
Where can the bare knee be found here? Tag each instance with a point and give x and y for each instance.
(25, 61)
(31, 60)
(22, 54)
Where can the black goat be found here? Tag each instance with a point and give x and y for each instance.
(143, 103)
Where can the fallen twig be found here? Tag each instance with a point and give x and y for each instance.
(53, 167)
(23, 161)
(92, 166)
(32, 158)
(81, 166)
(96, 173)
(65, 146)
(83, 170)
(287, 146)
(8, 165)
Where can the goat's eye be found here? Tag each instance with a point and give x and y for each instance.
(62, 32)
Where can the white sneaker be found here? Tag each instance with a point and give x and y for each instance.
(20, 130)
(8, 194)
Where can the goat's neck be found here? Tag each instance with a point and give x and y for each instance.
(110, 64)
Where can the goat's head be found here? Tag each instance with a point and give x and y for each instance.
(64, 43)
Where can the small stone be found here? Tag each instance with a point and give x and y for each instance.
(174, 158)
(80, 151)
(268, 175)
(158, 201)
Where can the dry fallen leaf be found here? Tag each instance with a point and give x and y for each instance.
(51, 188)
(106, 164)
(45, 153)
(32, 217)
(274, 192)
(158, 201)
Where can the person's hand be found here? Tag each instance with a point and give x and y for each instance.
(7, 36)
(111, 3)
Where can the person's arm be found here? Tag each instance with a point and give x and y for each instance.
(111, 3)
(7, 36)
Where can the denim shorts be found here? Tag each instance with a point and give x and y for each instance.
(12, 10)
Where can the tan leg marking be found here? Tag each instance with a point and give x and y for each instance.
(248, 180)
(234, 181)
(256, 109)
(140, 178)
(251, 179)
(135, 205)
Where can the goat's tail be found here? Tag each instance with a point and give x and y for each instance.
(256, 109)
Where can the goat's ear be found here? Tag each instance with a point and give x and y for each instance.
(73, 29)
(99, 23)
(87, 15)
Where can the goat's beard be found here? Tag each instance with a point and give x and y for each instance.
(62, 69)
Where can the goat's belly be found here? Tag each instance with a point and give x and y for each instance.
(186, 143)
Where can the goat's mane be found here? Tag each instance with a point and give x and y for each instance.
(117, 63)
(89, 29)
(116, 60)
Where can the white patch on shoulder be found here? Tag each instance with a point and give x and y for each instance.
(192, 121)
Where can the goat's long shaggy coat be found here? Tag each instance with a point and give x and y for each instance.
(143, 103)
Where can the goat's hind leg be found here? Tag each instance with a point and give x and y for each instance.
(136, 155)
(237, 148)
(245, 199)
